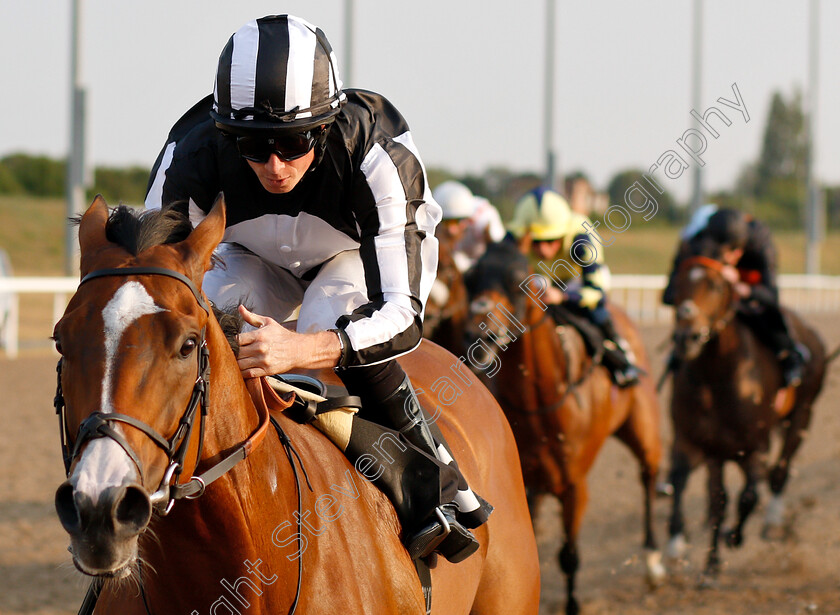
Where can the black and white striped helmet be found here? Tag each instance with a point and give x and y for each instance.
(276, 74)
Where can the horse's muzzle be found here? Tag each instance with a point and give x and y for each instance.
(689, 342)
(103, 533)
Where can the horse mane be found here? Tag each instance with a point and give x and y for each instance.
(138, 230)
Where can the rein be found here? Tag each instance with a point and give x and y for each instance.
(97, 426)
(571, 387)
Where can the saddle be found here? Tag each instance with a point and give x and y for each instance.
(411, 479)
(600, 349)
(407, 475)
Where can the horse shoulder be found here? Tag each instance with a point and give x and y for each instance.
(352, 535)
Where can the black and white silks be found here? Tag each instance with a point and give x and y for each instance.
(368, 192)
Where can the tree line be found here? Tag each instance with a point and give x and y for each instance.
(772, 187)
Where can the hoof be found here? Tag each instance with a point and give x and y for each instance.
(734, 539)
(572, 607)
(774, 533)
(656, 571)
(676, 547)
(775, 514)
(708, 580)
(664, 490)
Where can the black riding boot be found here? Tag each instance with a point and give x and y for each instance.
(791, 355)
(619, 356)
(440, 531)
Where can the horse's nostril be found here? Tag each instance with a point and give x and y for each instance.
(134, 509)
(65, 506)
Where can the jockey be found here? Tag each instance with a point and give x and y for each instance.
(471, 221)
(746, 246)
(548, 230)
(328, 211)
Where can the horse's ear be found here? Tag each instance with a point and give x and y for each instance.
(198, 247)
(92, 232)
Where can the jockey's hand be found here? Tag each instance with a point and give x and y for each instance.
(743, 290)
(730, 274)
(274, 349)
(553, 295)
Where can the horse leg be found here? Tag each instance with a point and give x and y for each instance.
(573, 500)
(793, 434)
(752, 468)
(642, 438)
(682, 463)
(717, 509)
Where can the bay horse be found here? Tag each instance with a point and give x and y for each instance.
(271, 522)
(447, 310)
(725, 406)
(561, 404)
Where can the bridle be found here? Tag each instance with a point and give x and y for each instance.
(98, 424)
(719, 321)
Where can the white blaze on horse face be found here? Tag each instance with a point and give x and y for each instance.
(687, 309)
(128, 304)
(696, 273)
(104, 463)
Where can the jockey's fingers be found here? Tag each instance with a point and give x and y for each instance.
(247, 337)
(250, 367)
(253, 372)
(255, 320)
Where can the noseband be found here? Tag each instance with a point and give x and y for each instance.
(720, 322)
(97, 425)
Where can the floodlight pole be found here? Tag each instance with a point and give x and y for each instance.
(816, 210)
(347, 61)
(549, 94)
(696, 91)
(76, 175)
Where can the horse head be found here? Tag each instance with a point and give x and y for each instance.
(133, 375)
(705, 305)
(446, 309)
(493, 283)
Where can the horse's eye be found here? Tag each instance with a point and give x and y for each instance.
(188, 347)
(57, 344)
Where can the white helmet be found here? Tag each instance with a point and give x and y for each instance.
(456, 200)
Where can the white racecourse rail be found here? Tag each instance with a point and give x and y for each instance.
(639, 295)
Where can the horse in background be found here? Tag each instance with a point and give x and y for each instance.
(560, 402)
(447, 310)
(725, 405)
(153, 408)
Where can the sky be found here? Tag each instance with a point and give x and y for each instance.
(468, 75)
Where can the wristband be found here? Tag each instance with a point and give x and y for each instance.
(343, 345)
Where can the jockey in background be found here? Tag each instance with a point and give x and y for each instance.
(548, 231)
(471, 221)
(746, 246)
(329, 211)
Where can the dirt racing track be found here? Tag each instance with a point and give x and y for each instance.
(797, 574)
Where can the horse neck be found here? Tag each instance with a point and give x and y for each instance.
(725, 348)
(534, 373)
(261, 487)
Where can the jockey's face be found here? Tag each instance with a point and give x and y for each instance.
(281, 176)
(547, 250)
(455, 227)
(731, 256)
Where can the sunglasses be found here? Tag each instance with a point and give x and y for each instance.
(287, 147)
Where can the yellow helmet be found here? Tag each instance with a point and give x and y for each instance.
(543, 213)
